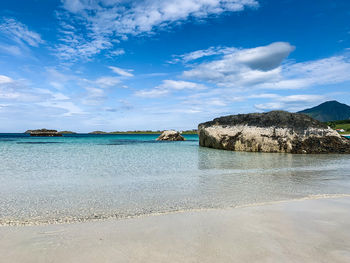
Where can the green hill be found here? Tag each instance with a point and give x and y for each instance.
(329, 111)
(344, 124)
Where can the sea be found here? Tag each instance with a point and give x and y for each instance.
(84, 177)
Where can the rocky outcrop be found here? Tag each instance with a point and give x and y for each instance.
(275, 131)
(44, 133)
(170, 136)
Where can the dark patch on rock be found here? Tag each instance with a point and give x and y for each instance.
(281, 119)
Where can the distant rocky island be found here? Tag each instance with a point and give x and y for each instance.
(47, 132)
(44, 133)
(275, 131)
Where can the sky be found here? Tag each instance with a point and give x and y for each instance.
(118, 65)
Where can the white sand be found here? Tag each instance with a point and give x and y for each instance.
(316, 230)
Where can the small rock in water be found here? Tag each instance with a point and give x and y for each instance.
(170, 136)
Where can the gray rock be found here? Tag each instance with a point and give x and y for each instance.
(275, 131)
(170, 136)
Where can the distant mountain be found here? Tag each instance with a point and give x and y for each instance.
(329, 111)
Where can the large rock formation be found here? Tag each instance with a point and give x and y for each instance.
(275, 131)
(170, 136)
(44, 133)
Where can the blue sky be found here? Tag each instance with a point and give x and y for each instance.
(111, 65)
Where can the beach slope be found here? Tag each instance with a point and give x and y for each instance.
(307, 230)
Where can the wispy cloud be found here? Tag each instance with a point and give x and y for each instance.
(169, 86)
(69, 107)
(307, 74)
(212, 51)
(21, 94)
(121, 72)
(107, 81)
(107, 22)
(117, 52)
(19, 33)
(94, 96)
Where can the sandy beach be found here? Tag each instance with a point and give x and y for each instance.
(314, 229)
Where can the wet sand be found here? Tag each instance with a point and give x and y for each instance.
(308, 230)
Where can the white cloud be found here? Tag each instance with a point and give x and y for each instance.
(11, 49)
(320, 72)
(19, 33)
(53, 95)
(4, 105)
(95, 96)
(4, 79)
(121, 72)
(69, 107)
(108, 21)
(263, 68)
(15, 90)
(243, 67)
(117, 52)
(269, 106)
(201, 53)
(152, 93)
(169, 86)
(22, 94)
(107, 81)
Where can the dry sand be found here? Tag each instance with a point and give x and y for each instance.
(314, 230)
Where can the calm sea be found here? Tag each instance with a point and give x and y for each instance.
(83, 177)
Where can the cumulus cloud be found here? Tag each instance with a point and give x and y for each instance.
(243, 67)
(19, 33)
(121, 72)
(263, 68)
(169, 86)
(108, 21)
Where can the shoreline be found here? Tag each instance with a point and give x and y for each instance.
(308, 230)
(70, 221)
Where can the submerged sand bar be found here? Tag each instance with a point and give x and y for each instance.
(309, 230)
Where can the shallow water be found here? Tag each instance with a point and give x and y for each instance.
(82, 177)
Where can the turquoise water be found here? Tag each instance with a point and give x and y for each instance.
(83, 177)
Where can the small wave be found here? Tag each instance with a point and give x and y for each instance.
(38, 142)
(96, 217)
(130, 142)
